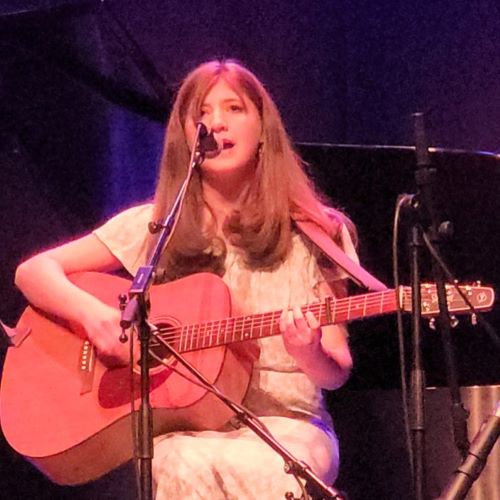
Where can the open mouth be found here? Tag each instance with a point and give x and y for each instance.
(226, 144)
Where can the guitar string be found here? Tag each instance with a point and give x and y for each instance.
(210, 329)
(268, 319)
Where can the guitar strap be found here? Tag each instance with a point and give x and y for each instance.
(325, 243)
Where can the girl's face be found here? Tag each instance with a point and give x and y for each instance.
(235, 122)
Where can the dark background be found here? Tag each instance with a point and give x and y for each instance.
(81, 133)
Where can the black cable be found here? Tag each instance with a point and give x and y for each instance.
(401, 201)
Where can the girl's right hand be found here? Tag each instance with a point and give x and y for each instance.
(102, 327)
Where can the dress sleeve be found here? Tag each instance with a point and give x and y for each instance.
(125, 236)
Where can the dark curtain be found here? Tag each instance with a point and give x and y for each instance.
(81, 128)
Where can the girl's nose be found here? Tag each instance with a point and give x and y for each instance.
(218, 121)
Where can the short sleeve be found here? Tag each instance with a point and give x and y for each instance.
(125, 236)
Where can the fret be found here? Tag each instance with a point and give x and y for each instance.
(349, 308)
(242, 328)
(177, 342)
(203, 339)
(249, 333)
(185, 339)
(184, 334)
(212, 332)
(176, 345)
(189, 335)
(334, 312)
(221, 327)
(214, 336)
(232, 329)
(194, 339)
(237, 323)
(208, 334)
(196, 332)
(382, 302)
(207, 330)
(191, 339)
(224, 332)
(355, 306)
(217, 332)
(364, 305)
(251, 327)
(261, 321)
(328, 312)
(211, 335)
(269, 322)
(272, 323)
(221, 331)
(192, 335)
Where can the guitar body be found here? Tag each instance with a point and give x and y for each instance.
(74, 424)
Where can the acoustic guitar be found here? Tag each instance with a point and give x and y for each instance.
(71, 416)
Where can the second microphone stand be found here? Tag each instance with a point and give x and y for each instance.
(426, 222)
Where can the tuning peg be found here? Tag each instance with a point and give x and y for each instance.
(473, 319)
(453, 322)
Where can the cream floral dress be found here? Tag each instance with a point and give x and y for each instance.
(235, 463)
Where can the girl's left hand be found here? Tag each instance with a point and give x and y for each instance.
(299, 331)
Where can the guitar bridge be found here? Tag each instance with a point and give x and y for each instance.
(86, 367)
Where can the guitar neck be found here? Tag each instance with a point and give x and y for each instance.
(237, 329)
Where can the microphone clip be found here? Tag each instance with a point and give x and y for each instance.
(206, 141)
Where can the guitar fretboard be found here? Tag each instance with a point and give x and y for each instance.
(237, 329)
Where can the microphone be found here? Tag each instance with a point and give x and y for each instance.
(471, 467)
(206, 141)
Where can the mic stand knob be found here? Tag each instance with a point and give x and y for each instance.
(122, 299)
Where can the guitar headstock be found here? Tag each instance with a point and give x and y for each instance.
(481, 297)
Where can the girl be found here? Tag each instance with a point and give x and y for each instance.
(237, 222)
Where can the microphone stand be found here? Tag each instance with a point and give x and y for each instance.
(137, 309)
(427, 223)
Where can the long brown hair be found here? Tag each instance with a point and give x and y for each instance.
(280, 192)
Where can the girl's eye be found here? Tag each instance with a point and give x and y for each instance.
(236, 107)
